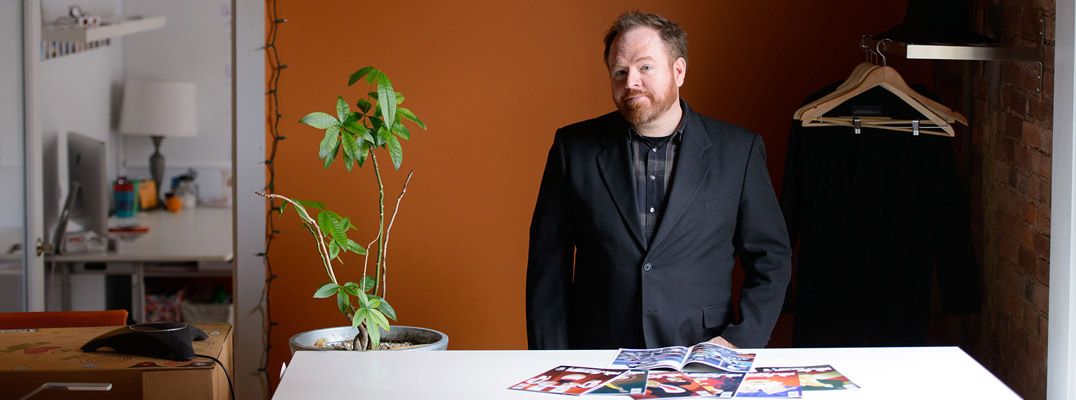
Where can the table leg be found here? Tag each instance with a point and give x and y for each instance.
(65, 285)
(138, 292)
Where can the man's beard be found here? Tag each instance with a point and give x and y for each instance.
(638, 112)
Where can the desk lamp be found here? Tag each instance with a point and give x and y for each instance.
(158, 109)
(73, 386)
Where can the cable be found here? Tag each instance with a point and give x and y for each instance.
(273, 117)
(229, 377)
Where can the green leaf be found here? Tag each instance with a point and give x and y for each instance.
(354, 127)
(386, 101)
(368, 283)
(352, 288)
(395, 151)
(364, 151)
(342, 302)
(359, 317)
(379, 318)
(387, 309)
(400, 129)
(326, 290)
(354, 247)
(350, 144)
(364, 299)
(329, 142)
(334, 250)
(319, 120)
(364, 105)
(383, 136)
(310, 204)
(375, 302)
(375, 336)
(329, 160)
(355, 76)
(406, 113)
(342, 109)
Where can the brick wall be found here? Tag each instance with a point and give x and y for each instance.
(1006, 156)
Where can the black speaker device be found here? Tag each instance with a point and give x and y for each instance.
(168, 340)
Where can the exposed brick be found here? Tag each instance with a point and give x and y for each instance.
(1041, 109)
(1040, 298)
(1044, 328)
(1027, 261)
(1042, 245)
(1031, 134)
(1013, 100)
(1042, 270)
(1041, 164)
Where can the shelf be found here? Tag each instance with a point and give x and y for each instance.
(957, 52)
(77, 34)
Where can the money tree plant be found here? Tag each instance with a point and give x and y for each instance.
(353, 135)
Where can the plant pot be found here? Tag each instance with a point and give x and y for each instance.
(423, 338)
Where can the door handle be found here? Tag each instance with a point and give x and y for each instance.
(44, 248)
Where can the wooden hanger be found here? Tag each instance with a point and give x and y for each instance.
(885, 76)
(865, 76)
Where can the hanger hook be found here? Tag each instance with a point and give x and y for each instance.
(863, 46)
(880, 48)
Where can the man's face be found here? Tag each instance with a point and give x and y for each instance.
(645, 81)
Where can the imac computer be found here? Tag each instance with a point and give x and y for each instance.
(89, 186)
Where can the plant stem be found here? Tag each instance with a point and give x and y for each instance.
(313, 228)
(388, 232)
(380, 220)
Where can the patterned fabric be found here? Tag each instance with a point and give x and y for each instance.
(653, 160)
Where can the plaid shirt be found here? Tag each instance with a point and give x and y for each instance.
(653, 160)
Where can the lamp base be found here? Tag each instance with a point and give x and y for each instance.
(156, 167)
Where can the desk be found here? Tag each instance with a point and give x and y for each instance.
(882, 373)
(30, 357)
(193, 235)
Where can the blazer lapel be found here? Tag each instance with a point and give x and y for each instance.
(692, 167)
(614, 164)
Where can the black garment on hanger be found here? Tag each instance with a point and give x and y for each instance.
(872, 217)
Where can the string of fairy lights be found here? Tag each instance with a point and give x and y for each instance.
(273, 116)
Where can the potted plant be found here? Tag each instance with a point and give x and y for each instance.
(354, 135)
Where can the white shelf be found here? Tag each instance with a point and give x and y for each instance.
(76, 34)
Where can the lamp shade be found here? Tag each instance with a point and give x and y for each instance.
(159, 108)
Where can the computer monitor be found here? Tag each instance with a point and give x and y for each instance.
(86, 166)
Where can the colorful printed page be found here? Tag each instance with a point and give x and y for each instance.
(630, 382)
(816, 377)
(663, 357)
(676, 357)
(672, 384)
(770, 384)
(722, 384)
(719, 357)
(567, 380)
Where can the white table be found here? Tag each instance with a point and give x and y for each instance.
(194, 235)
(882, 373)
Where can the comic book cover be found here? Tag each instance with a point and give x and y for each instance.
(630, 382)
(676, 357)
(671, 384)
(720, 357)
(771, 385)
(817, 377)
(722, 384)
(568, 380)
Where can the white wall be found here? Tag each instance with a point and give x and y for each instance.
(194, 46)
(11, 128)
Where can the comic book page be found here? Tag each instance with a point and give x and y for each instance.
(771, 385)
(719, 357)
(722, 384)
(567, 380)
(663, 357)
(816, 377)
(630, 382)
(671, 384)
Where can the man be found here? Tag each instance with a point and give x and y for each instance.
(641, 214)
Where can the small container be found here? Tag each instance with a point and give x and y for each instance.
(173, 203)
(123, 194)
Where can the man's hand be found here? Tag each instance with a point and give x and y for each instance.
(722, 342)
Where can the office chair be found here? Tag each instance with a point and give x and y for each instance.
(62, 319)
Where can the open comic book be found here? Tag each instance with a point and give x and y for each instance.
(677, 357)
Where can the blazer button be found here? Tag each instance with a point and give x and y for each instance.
(647, 267)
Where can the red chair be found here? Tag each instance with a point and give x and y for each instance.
(62, 319)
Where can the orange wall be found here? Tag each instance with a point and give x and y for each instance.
(494, 79)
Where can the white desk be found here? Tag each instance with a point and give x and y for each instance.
(193, 235)
(882, 373)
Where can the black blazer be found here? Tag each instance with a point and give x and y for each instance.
(676, 290)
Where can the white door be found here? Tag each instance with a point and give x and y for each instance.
(21, 273)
